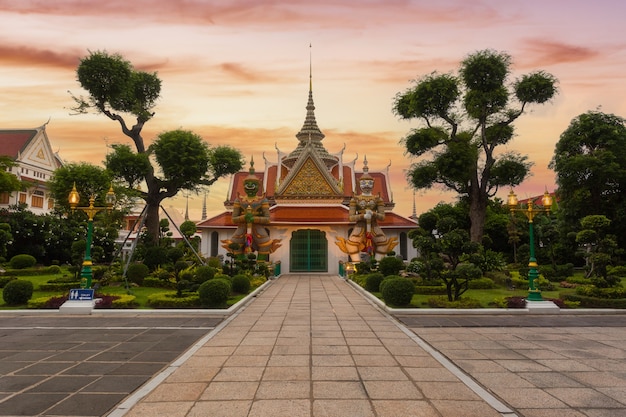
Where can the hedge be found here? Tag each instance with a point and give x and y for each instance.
(430, 289)
(158, 283)
(169, 300)
(59, 286)
(124, 301)
(595, 302)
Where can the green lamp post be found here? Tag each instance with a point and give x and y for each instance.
(86, 274)
(534, 293)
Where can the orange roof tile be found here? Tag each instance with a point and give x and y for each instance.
(303, 214)
(14, 141)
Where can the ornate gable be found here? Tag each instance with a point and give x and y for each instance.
(309, 179)
(38, 152)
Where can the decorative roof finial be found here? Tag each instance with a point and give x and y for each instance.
(366, 170)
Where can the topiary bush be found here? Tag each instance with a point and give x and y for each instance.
(397, 291)
(5, 280)
(55, 269)
(17, 292)
(137, 272)
(204, 273)
(241, 284)
(22, 261)
(390, 265)
(214, 293)
(373, 280)
(171, 300)
(214, 262)
(482, 284)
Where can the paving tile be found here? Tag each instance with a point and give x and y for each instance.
(405, 408)
(392, 390)
(289, 360)
(193, 374)
(528, 398)
(382, 373)
(555, 412)
(334, 373)
(283, 390)
(219, 409)
(65, 384)
(447, 390)
(30, 404)
(88, 404)
(583, 398)
(338, 390)
(179, 391)
(247, 360)
(287, 373)
(454, 408)
(230, 391)
(430, 374)
(239, 373)
(275, 408)
(169, 409)
(343, 408)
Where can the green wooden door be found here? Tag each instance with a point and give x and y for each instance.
(308, 251)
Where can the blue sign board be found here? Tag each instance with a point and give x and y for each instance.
(81, 294)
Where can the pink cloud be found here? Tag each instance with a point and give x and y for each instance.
(544, 52)
(29, 56)
(271, 14)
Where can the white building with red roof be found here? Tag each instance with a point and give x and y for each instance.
(309, 191)
(31, 150)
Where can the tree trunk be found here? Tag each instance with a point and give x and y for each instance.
(152, 215)
(477, 213)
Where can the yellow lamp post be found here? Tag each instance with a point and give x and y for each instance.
(86, 274)
(534, 293)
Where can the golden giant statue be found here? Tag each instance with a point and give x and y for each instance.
(251, 213)
(366, 210)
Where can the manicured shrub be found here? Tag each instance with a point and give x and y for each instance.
(431, 289)
(387, 278)
(515, 302)
(373, 280)
(241, 284)
(390, 265)
(594, 302)
(157, 283)
(55, 269)
(17, 292)
(214, 262)
(204, 273)
(222, 276)
(186, 275)
(137, 272)
(48, 303)
(171, 300)
(22, 261)
(398, 291)
(5, 280)
(155, 256)
(214, 293)
(443, 302)
(124, 301)
(482, 284)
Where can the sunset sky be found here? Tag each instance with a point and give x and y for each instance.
(237, 72)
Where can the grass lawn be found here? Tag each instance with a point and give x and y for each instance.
(488, 297)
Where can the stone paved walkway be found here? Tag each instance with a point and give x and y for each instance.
(310, 345)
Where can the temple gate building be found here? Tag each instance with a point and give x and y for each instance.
(308, 191)
(35, 163)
